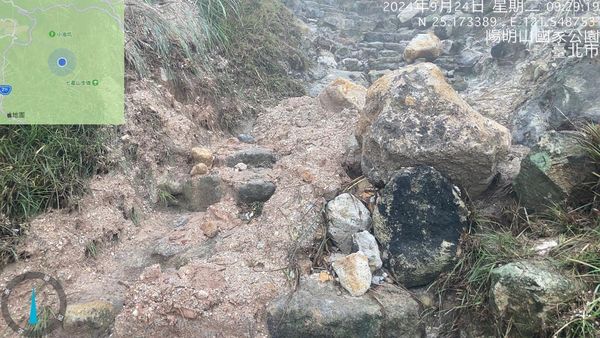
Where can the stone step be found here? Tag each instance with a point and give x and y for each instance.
(388, 37)
(390, 53)
(396, 46)
(387, 59)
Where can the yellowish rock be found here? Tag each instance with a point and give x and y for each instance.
(209, 229)
(199, 169)
(427, 46)
(354, 273)
(202, 155)
(92, 319)
(341, 94)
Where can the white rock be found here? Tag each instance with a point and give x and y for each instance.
(365, 242)
(346, 216)
(240, 167)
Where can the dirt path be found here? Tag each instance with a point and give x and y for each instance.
(165, 276)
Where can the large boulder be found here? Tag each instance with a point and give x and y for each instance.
(418, 220)
(427, 46)
(414, 117)
(342, 94)
(528, 293)
(318, 309)
(553, 172)
(346, 215)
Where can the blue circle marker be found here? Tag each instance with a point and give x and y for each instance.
(61, 62)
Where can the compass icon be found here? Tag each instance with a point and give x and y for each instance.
(33, 304)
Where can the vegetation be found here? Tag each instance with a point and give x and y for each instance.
(237, 53)
(492, 244)
(265, 50)
(43, 167)
(176, 36)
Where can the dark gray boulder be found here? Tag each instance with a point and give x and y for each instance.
(418, 220)
(257, 190)
(553, 172)
(195, 194)
(253, 157)
(319, 309)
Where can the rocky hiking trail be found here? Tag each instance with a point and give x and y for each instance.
(332, 213)
(179, 272)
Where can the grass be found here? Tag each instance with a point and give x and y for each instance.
(44, 317)
(266, 49)
(235, 53)
(43, 167)
(175, 35)
(469, 281)
(589, 139)
(165, 198)
(91, 249)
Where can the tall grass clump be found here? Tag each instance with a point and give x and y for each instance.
(266, 50)
(589, 139)
(175, 35)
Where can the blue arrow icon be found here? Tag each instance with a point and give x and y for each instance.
(5, 89)
(33, 309)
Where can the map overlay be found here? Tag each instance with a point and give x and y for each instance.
(62, 62)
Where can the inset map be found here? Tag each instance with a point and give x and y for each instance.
(62, 62)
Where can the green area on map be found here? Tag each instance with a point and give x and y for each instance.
(62, 62)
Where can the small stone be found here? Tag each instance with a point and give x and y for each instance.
(341, 94)
(240, 167)
(209, 229)
(181, 221)
(245, 138)
(354, 273)
(307, 176)
(346, 215)
(377, 280)
(365, 242)
(256, 191)
(165, 248)
(325, 276)
(92, 319)
(202, 155)
(427, 46)
(199, 169)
